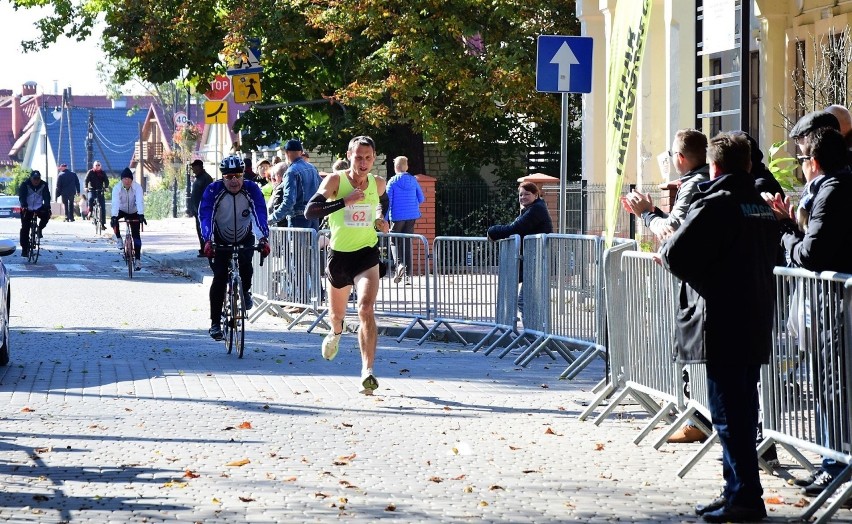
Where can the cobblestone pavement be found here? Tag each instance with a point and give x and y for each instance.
(117, 407)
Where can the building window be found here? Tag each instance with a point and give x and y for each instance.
(754, 95)
(715, 97)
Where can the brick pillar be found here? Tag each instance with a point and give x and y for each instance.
(550, 196)
(425, 225)
(668, 191)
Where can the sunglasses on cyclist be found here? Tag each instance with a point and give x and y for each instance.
(231, 176)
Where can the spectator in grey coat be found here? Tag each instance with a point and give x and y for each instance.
(67, 188)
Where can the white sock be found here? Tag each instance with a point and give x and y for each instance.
(366, 372)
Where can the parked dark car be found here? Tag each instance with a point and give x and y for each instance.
(7, 247)
(10, 207)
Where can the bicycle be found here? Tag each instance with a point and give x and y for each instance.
(95, 211)
(129, 251)
(234, 308)
(35, 240)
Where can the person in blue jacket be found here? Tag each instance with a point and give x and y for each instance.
(534, 219)
(405, 198)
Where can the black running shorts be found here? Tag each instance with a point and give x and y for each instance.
(342, 267)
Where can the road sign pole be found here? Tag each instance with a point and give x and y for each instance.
(563, 164)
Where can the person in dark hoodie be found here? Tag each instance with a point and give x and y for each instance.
(534, 219)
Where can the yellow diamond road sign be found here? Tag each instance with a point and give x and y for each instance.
(246, 88)
(216, 112)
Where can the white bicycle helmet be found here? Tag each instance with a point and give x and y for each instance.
(231, 164)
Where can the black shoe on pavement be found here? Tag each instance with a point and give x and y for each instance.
(736, 514)
(713, 505)
(807, 481)
(247, 300)
(215, 332)
(819, 484)
(40, 234)
(25, 253)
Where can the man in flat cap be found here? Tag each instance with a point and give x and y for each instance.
(202, 180)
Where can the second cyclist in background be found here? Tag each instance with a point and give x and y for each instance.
(128, 202)
(229, 209)
(97, 183)
(34, 196)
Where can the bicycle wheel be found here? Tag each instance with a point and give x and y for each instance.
(227, 319)
(96, 216)
(34, 243)
(238, 311)
(128, 254)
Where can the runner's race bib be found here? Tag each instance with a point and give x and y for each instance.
(358, 215)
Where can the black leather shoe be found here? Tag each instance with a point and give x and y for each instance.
(736, 514)
(215, 332)
(717, 503)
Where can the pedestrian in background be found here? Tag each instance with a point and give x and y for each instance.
(202, 180)
(724, 254)
(67, 188)
(405, 198)
(534, 219)
(301, 181)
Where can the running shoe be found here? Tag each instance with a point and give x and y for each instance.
(400, 272)
(330, 345)
(137, 266)
(368, 382)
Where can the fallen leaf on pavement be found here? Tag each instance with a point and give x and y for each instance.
(290, 479)
(495, 487)
(43, 450)
(436, 480)
(41, 498)
(320, 495)
(175, 484)
(447, 408)
(346, 425)
(390, 507)
(246, 499)
(774, 500)
(549, 431)
(460, 477)
(241, 462)
(530, 471)
(482, 503)
(802, 503)
(27, 410)
(190, 475)
(599, 446)
(468, 489)
(544, 386)
(514, 448)
(245, 425)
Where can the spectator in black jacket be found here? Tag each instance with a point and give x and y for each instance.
(724, 254)
(202, 180)
(96, 183)
(534, 219)
(67, 187)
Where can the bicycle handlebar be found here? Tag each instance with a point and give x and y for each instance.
(236, 247)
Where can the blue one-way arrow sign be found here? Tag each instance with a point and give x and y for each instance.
(564, 64)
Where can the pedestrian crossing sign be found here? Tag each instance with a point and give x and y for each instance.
(246, 88)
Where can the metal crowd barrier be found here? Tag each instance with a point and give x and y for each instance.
(806, 393)
(407, 297)
(289, 282)
(467, 275)
(563, 281)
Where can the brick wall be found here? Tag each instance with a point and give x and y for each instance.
(425, 225)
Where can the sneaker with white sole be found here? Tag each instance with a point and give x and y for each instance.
(368, 382)
(137, 266)
(330, 345)
(400, 272)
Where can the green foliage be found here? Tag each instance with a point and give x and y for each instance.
(19, 174)
(467, 206)
(158, 204)
(783, 168)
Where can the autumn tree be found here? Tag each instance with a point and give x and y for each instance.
(458, 72)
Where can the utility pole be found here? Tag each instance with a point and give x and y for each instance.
(188, 197)
(66, 102)
(90, 139)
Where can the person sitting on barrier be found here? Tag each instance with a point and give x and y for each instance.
(360, 202)
(405, 199)
(823, 245)
(534, 219)
(230, 210)
(688, 157)
(724, 254)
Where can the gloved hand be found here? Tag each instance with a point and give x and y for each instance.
(142, 219)
(113, 222)
(208, 249)
(264, 247)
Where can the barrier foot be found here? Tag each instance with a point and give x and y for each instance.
(600, 385)
(259, 310)
(319, 320)
(698, 454)
(564, 351)
(482, 342)
(517, 342)
(653, 422)
(531, 350)
(405, 331)
(679, 421)
(538, 350)
(612, 405)
(299, 317)
(428, 333)
(823, 497)
(798, 457)
(497, 342)
(603, 394)
(452, 330)
(582, 361)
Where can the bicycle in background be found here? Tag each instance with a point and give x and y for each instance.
(129, 251)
